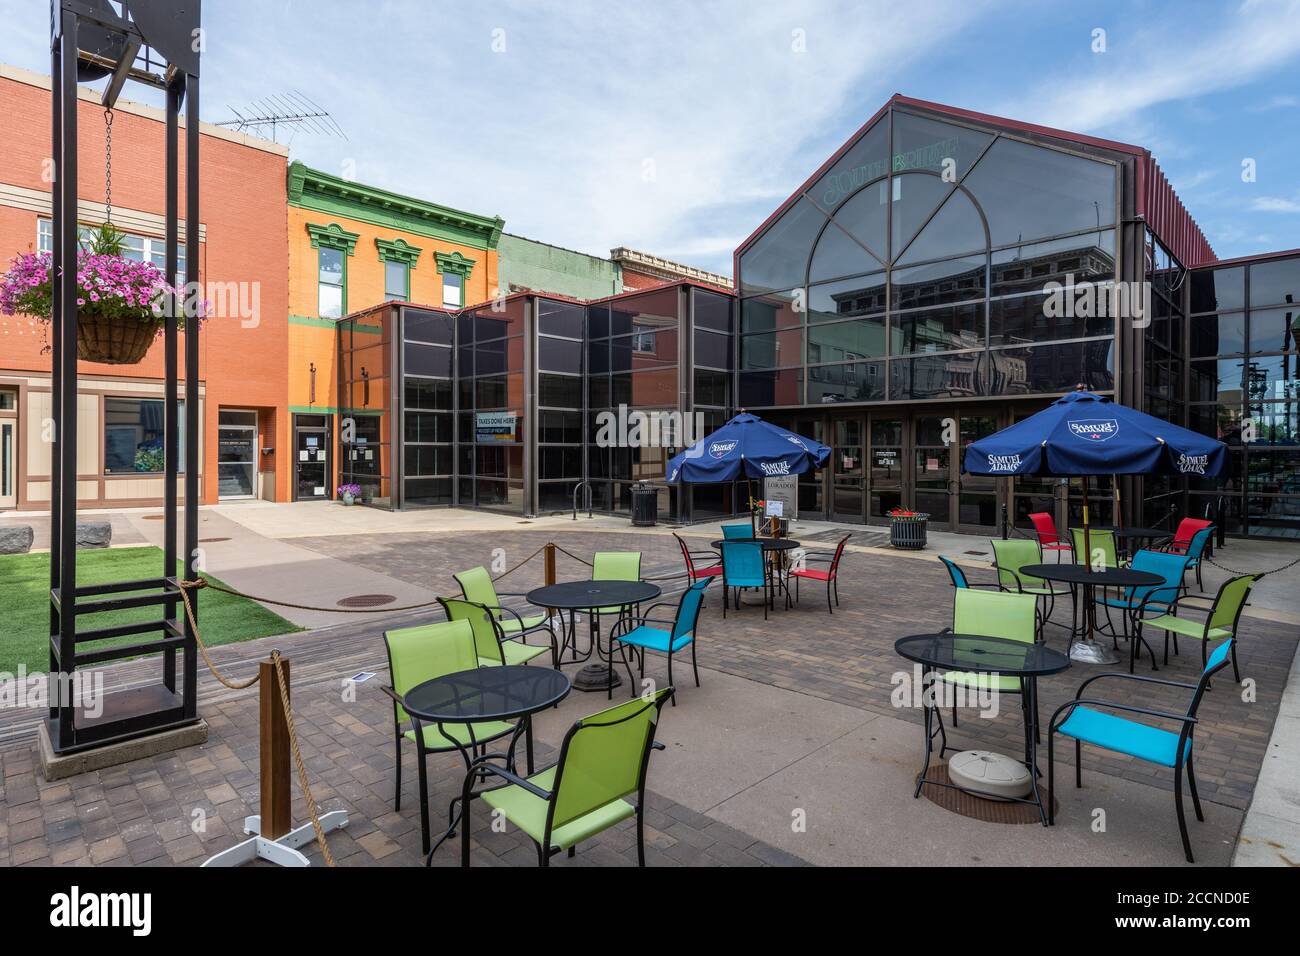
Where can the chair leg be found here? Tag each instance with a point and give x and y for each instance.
(694, 666)
(1236, 674)
(836, 582)
(670, 676)
(424, 789)
(1178, 806)
(829, 609)
(954, 708)
(1078, 764)
(640, 835)
(1051, 777)
(1191, 785)
(543, 858)
(573, 851)
(397, 767)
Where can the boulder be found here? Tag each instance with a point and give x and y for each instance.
(94, 534)
(16, 538)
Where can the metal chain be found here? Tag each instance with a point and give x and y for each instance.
(108, 166)
(1221, 567)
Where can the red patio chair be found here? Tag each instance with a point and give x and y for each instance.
(829, 575)
(1182, 539)
(695, 572)
(1048, 539)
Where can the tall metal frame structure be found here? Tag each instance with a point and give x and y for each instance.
(89, 40)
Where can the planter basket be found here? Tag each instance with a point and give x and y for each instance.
(908, 533)
(113, 341)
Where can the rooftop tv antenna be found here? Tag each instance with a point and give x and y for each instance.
(292, 110)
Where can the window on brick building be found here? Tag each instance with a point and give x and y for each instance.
(453, 290)
(332, 283)
(396, 280)
(141, 248)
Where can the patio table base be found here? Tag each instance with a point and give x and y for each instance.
(595, 677)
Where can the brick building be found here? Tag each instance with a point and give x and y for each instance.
(243, 352)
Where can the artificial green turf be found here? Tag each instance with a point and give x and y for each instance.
(25, 605)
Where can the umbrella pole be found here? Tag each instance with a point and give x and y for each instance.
(1087, 650)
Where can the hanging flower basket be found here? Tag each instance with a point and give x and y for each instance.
(120, 301)
(907, 529)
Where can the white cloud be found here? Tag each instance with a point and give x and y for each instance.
(1167, 62)
(1274, 204)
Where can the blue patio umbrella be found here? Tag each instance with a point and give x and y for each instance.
(747, 447)
(1083, 434)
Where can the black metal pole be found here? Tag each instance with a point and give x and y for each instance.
(191, 379)
(56, 203)
(66, 317)
(171, 456)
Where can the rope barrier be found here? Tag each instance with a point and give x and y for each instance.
(572, 555)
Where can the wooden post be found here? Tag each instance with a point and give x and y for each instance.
(277, 798)
(548, 562)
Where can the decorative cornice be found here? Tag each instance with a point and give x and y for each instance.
(662, 268)
(398, 250)
(312, 189)
(332, 236)
(454, 263)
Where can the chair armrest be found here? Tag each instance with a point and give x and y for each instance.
(397, 698)
(1170, 606)
(1137, 677)
(656, 745)
(481, 765)
(1127, 708)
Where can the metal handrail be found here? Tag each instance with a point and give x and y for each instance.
(576, 488)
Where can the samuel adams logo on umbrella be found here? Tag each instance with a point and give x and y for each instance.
(1095, 429)
(721, 449)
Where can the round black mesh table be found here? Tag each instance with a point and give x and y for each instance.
(468, 697)
(514, 691)
(592, 596)
(975, 653)
(1082, 578)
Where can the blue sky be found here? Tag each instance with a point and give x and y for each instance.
(677, 127)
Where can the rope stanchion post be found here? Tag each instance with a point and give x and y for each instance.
(548, 562)
(277, 799)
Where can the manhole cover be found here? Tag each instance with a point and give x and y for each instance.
(367, 600)
(977, 808)
(977, 554)
(211, 540)
(153, 517)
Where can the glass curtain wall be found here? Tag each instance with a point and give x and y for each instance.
(712, 351)
(490, 405)
(1164, 362)
(1244, 389)
(561, 329)
(365, 405)
(918, 268)
(632, 362)
(428, 433)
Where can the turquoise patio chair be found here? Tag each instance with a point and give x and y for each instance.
(476, 586)
(418, 654)
(959, 579)
(1087, 724)
(737, 532)
(490, 642)
(679, 634)
(1013, 617)
(743, 569)
(1221, 619)
(603, 761)
(1196, 552)
(1137, 602)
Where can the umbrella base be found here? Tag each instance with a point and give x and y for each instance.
(1090, 652)
(595, 677)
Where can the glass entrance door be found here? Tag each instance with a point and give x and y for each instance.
(932, 479)
(236, 454)
(311, 460)
(887, 467)
(8, 456)
(976, 497)
(848, 470)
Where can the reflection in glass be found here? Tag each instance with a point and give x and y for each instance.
(1052, 368)
(956, 228)
(939, 376)
(1029, 192)
(778, 258)
(941, 330)
(1275, 330)
(1275, 283)
(954, 280)
(916, 195)
(1089, 257)
(865, 160)
(838, 254)
(848, 297)
(1218, 334)
(861, 382)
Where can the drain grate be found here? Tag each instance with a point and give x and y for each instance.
(977, 554)
(367, 600)
(977, 808)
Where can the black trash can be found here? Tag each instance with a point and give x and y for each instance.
(645, 506)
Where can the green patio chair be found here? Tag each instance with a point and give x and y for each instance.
(603, 761)
(490, 642)
(1103, 546)
(476, 585)
(993, 614)
(415, 655)
(1222, 617)
(616, 566)
(1010, 556)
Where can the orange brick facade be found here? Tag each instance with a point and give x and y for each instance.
(244, 255)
